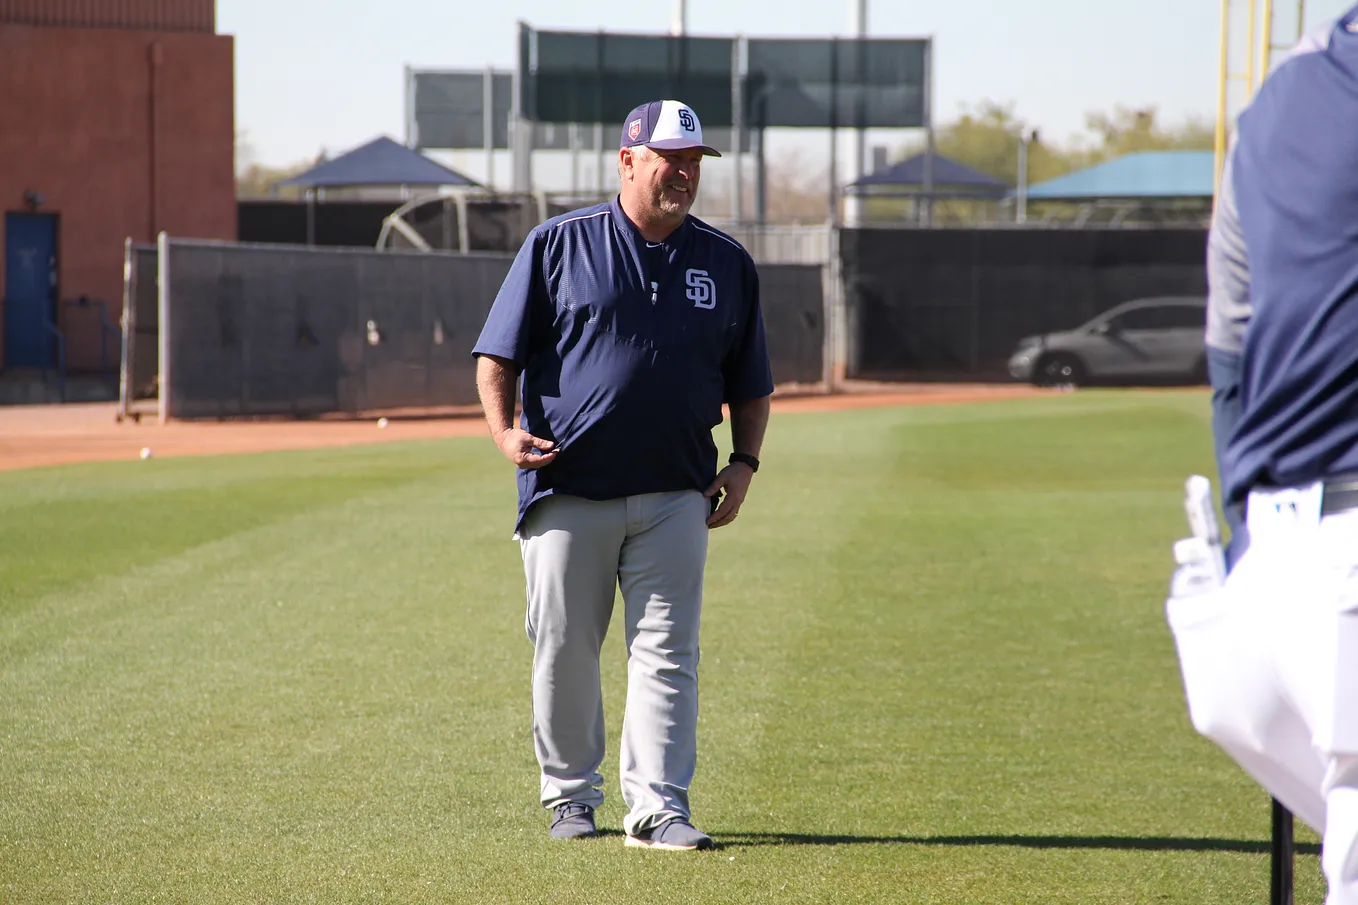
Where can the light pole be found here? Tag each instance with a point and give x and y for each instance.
(1027, 137)
(858, 29)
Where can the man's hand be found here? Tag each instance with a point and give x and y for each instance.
(525, 450)
(735, 480)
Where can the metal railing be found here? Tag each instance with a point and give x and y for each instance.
(107, 329)
(56, 372)
(55, 331)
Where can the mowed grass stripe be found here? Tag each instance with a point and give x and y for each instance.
(303, 648)
(116, 516)
(935, 670)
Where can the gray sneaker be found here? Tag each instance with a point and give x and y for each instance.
(674, 835)
(573, 820)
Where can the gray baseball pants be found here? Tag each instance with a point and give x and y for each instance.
(576, 553)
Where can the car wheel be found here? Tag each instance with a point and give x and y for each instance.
(1059, 369)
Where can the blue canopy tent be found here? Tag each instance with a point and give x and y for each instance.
(1143, 175)
(923, 178)
(381, 162)
(950, 180)
(1151, 186)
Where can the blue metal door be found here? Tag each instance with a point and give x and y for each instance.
(30, 289)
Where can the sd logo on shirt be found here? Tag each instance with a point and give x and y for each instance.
(701, 290)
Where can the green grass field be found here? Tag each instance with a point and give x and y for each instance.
(935, 670)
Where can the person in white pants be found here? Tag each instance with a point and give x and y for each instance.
(1270, 664)
(1270, 655)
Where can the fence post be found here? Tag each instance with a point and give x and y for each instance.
(163, 372)
(835, 321)
(129, 324)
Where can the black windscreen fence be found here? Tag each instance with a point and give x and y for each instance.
(255, 330)
(278, 330)
(792, 300)
(352, 224)
(956, 302)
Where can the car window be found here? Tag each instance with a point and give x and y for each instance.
(1185, 316)
(1138, 319)
(1161, 317)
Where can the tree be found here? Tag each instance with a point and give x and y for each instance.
(796, 192)
(1126, 131)
(986, 137)
(257, 180)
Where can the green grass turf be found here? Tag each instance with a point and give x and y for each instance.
(935, 670)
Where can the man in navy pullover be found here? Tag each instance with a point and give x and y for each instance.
(1270, 658)
(631, 324)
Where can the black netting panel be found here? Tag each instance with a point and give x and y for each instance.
(286, 330)
(146, 342)
(500, 225)
(792, 299)
(352, 224)
(956, 302)
(259, 330)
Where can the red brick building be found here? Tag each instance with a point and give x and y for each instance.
(116, 121)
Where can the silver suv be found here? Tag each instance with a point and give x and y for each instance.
(1148, 339)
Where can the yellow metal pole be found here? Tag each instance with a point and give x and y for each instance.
(1301, 19)
(1267, 48)
(1222, 81)
(1249, 48)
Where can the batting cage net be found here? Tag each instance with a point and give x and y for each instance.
(260, 330)
(449, 223)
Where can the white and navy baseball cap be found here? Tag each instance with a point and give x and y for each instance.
(666, 126)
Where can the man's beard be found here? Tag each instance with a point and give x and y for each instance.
(671, 206)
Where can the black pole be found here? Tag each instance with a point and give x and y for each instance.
(832, 202)
(1282, 852)
(761, 210)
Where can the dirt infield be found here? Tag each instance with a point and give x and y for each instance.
(35, 436)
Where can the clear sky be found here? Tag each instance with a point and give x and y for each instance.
(313, 74)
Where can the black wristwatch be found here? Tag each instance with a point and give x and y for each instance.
(745, 459)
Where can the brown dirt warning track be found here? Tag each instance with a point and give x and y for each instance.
(36, 436)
